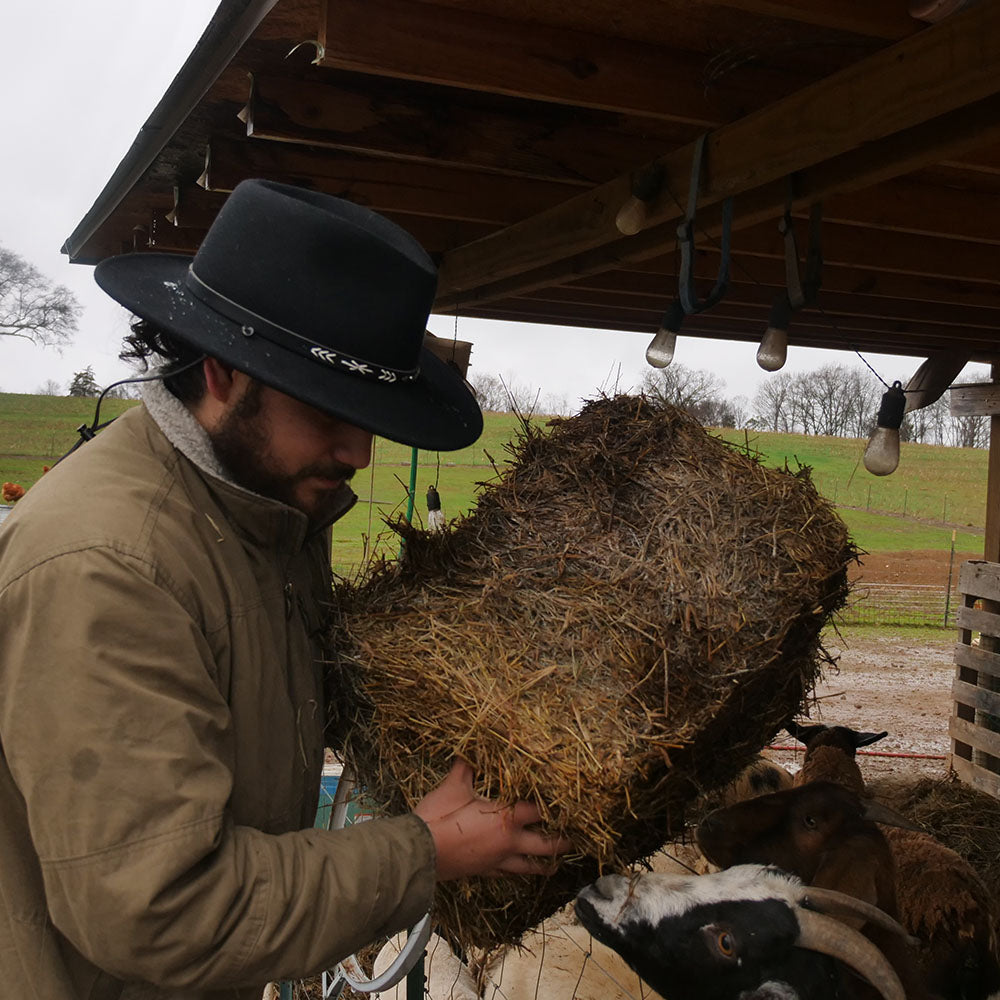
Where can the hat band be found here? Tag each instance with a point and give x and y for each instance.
(253, 325)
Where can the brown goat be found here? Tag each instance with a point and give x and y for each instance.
(940, 899)
(827, 836)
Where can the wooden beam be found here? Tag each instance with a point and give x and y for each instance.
(938, 71)
(705, 327)
(383, 185)
(863, 17)
(656, 290)
(978, 777)
(991, 543)
(428, 124)
(746, 324)
(194, 208)
(886, 252)
(880, 290)
(473, 51)
(975, 400)
(909, 206)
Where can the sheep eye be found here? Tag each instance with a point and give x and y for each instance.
(724, 942)
(809, 822)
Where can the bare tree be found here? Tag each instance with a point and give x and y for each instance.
(50, 387)
(32, 307)
(771, 404)
(685, 387)
(504, 394)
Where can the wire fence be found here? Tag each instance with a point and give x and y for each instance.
(902, 604)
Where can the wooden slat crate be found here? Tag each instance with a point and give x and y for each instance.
(975, 725)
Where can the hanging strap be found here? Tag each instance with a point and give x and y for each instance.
(689, 300)
(802, 292)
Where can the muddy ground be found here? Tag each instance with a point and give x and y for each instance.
(885, 681)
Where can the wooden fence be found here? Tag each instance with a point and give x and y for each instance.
(975, 726)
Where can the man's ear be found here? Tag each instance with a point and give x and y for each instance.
(220, 379)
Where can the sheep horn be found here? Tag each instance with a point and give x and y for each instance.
(840, 905)
(831, 937)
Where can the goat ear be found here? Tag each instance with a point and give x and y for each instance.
(866, 739)
(879, 813)
(804, 733)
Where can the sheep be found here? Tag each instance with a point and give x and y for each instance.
(561, 959)
(746, 933)
(830, 754)
(826, 835)
(940, 898)
(447, 977)
(760, 777)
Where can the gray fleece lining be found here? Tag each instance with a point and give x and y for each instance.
(184, 432)
(181, 429)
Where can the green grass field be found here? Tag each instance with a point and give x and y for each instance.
(934, 491)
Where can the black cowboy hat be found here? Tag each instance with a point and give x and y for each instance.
(317, 297)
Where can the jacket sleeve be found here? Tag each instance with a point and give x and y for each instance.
(120, 743)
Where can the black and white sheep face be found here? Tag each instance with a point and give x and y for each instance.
(720, 937)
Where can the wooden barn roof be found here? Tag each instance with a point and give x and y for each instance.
(507, 137)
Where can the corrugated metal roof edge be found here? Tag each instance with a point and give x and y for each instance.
(232, 24)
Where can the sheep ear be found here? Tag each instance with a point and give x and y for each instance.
(879, 813)
(866, 739)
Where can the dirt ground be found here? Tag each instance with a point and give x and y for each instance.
(883, 681)
(927, 566)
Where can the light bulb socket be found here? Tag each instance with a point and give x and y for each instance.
(892, 408)
(781, 313)
(673, 318)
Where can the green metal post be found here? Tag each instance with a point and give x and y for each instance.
(412, 496)
(413, 485)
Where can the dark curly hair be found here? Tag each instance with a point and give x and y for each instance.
(150, 345)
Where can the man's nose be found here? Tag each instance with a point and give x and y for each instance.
(354, 446)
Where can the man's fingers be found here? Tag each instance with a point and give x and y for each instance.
(522, 864)
(541, 845)
(526, 813)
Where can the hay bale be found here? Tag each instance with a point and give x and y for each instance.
(632, 610)
(961, 817)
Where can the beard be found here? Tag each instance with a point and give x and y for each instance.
(242, 445)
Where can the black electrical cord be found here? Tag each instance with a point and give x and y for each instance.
(89, 432)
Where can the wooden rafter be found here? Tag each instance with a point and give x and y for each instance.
(385, 185)
(864, 17)
(952, 65)
(425, 124)
(475, 51)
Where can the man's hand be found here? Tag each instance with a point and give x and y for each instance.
(475, 836)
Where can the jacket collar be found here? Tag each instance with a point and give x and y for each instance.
(254, 513)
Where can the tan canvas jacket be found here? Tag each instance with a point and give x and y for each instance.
(161, 739)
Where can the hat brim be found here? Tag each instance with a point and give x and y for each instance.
(436, 411)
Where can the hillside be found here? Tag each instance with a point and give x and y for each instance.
(935, 490)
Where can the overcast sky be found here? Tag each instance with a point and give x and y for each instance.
(80, 79)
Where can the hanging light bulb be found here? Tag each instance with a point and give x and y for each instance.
(660, 352)
(633, 215)
(882, 453)
(773, 348)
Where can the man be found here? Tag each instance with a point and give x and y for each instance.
(162, 596)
